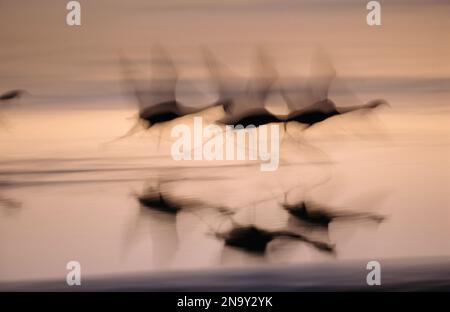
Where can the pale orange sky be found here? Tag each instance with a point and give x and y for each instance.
(38, 49)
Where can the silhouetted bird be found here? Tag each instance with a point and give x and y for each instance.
(224, 81)
(312, 105)
(13, 94)
(155, 199)
(157, 225)
(245, 107)
(254, 239)
(322, 217)
(157, 101)
(325, 109)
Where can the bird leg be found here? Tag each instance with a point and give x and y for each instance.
(359, 215)
(159, 137)
(134, 129)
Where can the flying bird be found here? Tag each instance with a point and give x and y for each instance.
(157, 102)
(245, 106)
(224, 82)
(311, 104)
(12, 94)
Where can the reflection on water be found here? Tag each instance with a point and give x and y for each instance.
(85, 208)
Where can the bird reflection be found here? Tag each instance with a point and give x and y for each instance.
(253, 239)
(9, 206)
(161, 227)
(155, 199)
(157, 215)
(161, 208)
(158, 212)
(316, 215)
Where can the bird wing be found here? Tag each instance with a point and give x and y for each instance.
(256, 91)
(311, 94)
(322, 75)
(164, 76)
(194, 99)
(161, 87)
(222, 78)
(128, 74)
(298, 97)
(264, 77)
(12, 94)
(252, 100)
